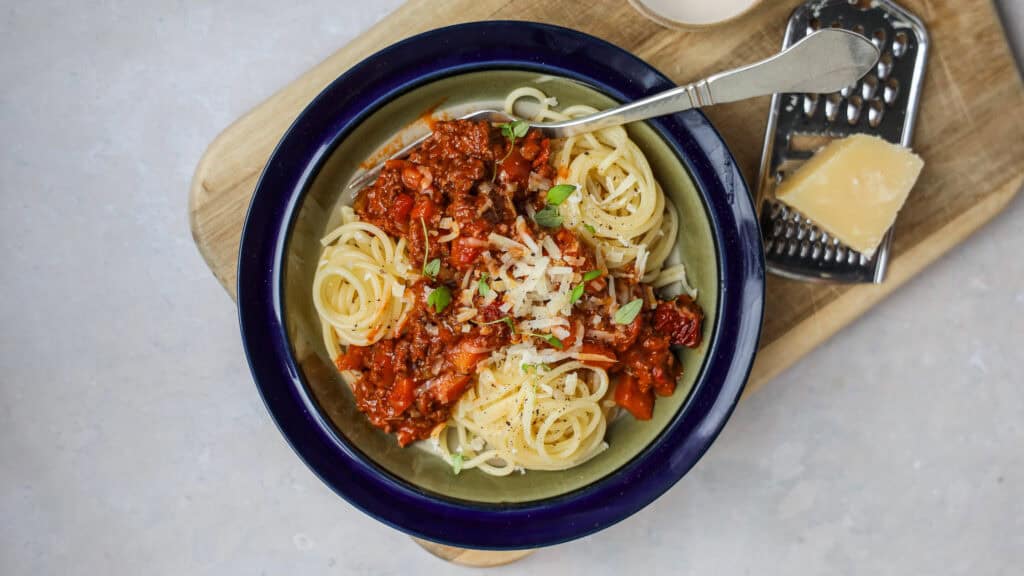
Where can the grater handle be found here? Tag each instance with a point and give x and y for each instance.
(825, 61)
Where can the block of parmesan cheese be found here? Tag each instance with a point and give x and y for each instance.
(853, 188)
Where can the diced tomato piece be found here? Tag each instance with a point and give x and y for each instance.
(464, 252)
(352, 359)
(411, 177)
(449, 387)
(626, 334)
(425, 209)
(402, 395)
(402, 206)
(628, 394)
(599, 350)
(680, 320)
(515, 168)
(465, 355)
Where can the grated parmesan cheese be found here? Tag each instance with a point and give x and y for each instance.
(641, 261)
(570, 383)
(551, 248)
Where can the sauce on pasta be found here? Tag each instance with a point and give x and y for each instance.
(494, 291)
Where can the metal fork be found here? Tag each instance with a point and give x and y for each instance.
(822, 62)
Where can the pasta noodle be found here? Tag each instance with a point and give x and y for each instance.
(621, 202)
(498, 349)
(359, 285)
(519, 417)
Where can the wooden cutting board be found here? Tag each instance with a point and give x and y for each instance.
(970, 133)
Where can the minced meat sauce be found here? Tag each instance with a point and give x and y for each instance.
(471, 174)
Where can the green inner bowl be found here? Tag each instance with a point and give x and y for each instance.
(457, 95)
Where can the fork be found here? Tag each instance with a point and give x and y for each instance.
(823, 62)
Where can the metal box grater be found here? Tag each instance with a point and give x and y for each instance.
(884, 103)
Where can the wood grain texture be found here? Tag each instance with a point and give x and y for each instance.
(969, 133)
(469, 557)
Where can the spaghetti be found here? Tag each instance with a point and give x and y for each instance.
(359, 285)
(534, 312)
(527, 417)
(622, 210)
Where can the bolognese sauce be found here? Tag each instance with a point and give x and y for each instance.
(447, 200)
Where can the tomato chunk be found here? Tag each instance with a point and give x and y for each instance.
(469, 352)
(402, 206)
(599, 350)
(352, 359)
(465, 251)
(448, 387)
(680, 320)
(630, 396)
(402, 395)
(425, 209)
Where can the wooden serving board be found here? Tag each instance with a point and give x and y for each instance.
(970, 133)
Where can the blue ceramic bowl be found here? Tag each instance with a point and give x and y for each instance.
(291, 188)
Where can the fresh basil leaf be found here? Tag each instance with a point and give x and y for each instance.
(457, 463)
(520, 128)
(628, 312)
(531, 368)
(506, 131)
(592, 275)
(432, 268)
(554, 341)
(548, 217)
(577, 293)
(482, 287)
(508, 322)
(590, 228)
(558, 194)
(439, 298)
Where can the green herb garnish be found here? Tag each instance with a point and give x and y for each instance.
(507, 320)
(515, 129)
(439, 298)
(554, 341)
(529, 368)
(511, 131)
(457, 463)
(577, 293)
(590, 228)
(548, 217)
(628, 312)
(549, 338)
(432, 268)
(559, 193)
(592, 275)
(482, 287)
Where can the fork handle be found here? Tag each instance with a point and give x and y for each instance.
(825, 61)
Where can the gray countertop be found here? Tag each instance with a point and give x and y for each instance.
(133, 440)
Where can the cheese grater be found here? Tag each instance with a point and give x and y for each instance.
(883, 103)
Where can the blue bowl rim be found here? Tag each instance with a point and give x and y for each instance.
(295, 162)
